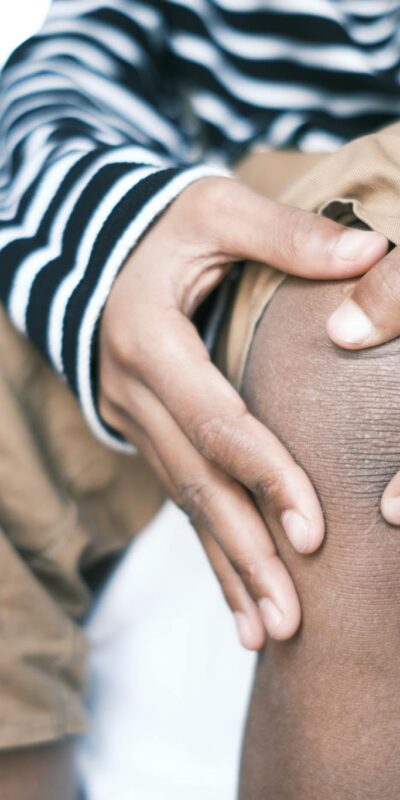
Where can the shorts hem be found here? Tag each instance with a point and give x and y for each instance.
(26, 734)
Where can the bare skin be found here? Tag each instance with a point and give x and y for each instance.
(39, 773)
(163, 394)
(159, 389)
(369, 316)
(166, 397)
(46, 773)
(323, 721)
(325, 711)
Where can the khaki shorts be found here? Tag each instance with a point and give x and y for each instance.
(359, 185)
(67, 504)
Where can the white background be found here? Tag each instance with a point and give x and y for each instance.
(169, 682)
(18, 19)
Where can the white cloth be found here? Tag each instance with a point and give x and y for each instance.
(169, 681)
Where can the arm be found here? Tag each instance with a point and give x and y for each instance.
(91, 157)
(324, 715)
(89, 160)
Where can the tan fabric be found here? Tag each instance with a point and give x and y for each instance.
(360, 182)
(66, 501)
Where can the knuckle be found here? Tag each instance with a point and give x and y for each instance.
(255, 570)
(247, 569)
(120, 347)
(389, 280)
(121, 342)
(217, 194)
(219, 435)
(209, 198)
(291, 233)
(196, 499)
(269, 488)
(209, 435)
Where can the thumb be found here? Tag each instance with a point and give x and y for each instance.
(250, 226)
(390, 503)
(370, 315)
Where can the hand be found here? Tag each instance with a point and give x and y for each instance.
(369, 316)
(159, 389)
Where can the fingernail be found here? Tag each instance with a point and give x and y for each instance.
(271, 614)
(297, 529)
(244, 629)
(391, 509)
(353, 244)
(350, 324)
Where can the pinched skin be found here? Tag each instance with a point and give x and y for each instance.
(324, 721)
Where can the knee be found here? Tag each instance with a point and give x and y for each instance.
(338, 413)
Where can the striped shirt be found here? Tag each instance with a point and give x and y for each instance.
(117, 105)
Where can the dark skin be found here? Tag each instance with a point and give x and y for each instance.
(45, 772)
(324, 716)
(323, 721)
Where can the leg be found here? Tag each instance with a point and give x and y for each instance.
(39, 773)
(324, 720)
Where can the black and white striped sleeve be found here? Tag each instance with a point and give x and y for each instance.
(89, 158)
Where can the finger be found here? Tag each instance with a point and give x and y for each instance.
(249, 626)
(219, 505)
(370, 314)
(247, 616)
(131, 431)
(215, 419)
(248, 225)
(390, 503)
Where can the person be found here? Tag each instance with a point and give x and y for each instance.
(334, 410)
(324, 713)
(103, 153)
